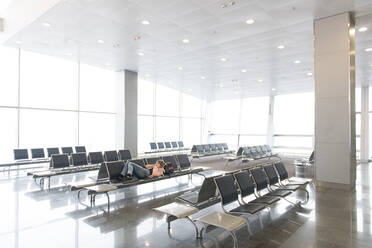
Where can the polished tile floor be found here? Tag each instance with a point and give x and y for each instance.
(33, 218)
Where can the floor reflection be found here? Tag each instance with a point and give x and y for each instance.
(34, 218)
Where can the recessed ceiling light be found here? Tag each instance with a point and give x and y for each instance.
(140, 53)
(107, 64)
(186, 41)
(369, 49)
(146, 22)
(189, 90)
(18, 42)
(309, 73)
(260, 80)
(69, 54)
(202, 77)
(223, 59)
(362, 29)
(370, 65)
(297, 61)
(236, 92)
(281, 47)
(101, 41)
(46, 24)
(273, 89)
(250, 21)
(220, 85)
(180, 68)
(147, 75)
(243, 70)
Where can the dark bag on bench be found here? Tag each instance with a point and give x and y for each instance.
(168, 169)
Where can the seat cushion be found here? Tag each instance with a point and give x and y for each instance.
(248, 208)
(226, 221)
(266, 200)
(178, 210)
(279, 192)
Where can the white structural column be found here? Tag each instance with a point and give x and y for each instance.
(270, 123)
(335, 158)
(131, 115)
(120, 110)
(364, 133)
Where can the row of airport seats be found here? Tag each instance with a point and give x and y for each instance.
(169, 146)
(263, 185)
(39, 153)
(255, 152)
(210, 149)
(81, 159)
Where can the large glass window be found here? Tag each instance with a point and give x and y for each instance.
(225, 116)
(48, 82)
(145, 97)
(145, 132)
(167, 101)
(8, 133)
(165, 114)
(98, 131)
(254, 115)
(8, 76)
(45, 128)
(97, 89)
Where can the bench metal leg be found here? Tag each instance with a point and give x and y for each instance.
(48, 182)
(42, 183)
(234, 239)
(196, 227)
(108, 203)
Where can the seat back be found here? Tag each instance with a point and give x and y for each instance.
(225, 147)
(213, 147)
(168, 145)
(102, 172)
(95, 157)
(183, 161)
(311, 158)
(152, 160)
(247, 152)
(207, 190)
(240, 151)
(79, 159)
(160, 145)
(124, 155)
(268, 148)
(111, 156)
(114, 169)
(180, 144)
(20, 154)
(171, 160)
(67, 150)
(282, 171)
(226, 187)
(174, 144)
(153, 146)
(219, 147)
(59, 161)
(139, 162)
(79, 149)
(37, 153)
(245, 183)
(207, 148)
(259, 150)
(271, 174)
(200, 149)
(253, 151)
(263, 148)
(51, 151)
(260, 178)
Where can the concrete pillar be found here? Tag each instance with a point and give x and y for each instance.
(364, 132)
(120, 110)
(335, 160)
(131, 115)
(270, 122)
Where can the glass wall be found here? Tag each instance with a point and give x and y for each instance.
(239, 122)
(44, 103)
(165, 114)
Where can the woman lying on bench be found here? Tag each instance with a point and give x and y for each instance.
(131, 170)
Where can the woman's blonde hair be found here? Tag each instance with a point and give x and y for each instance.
(161, 163)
